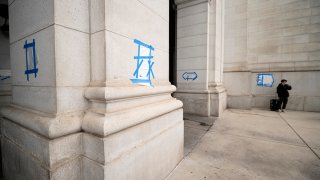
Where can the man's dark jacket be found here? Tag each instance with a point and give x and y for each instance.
(282, 90)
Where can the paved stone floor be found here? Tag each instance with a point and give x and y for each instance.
(252, 144)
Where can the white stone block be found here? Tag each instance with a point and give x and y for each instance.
(307, 65)
(261, 101)
(19, 164)
(282, 66)
(153, 160)
(45, 58)
(192, 41)
(192, 10)
(239, 102)
(72, 57)
(254, 67)
(315, 37)
(219, 102)
(196, 63)
(237, 83)
(198, 29)
(160, 7)
(98, 56)
(22, 165)
(71, 99)
(314, 28)
(312, 103)
(27, 17)
(192, 19)
(235, 67)
(303, 83)
(50, 153)
(135, 20)
(191, 52)
(315, 11)
(97, 16)
(72, 14)
(296, 103)
(118, 144)
(197, 104)
(34, 98)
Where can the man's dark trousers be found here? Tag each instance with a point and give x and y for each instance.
(283, 101)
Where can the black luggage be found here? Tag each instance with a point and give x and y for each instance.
(274, 104)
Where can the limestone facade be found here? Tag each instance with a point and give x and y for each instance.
(274, 37)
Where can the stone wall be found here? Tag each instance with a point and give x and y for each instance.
(276, 37)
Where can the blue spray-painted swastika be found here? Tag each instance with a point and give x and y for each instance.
(31, 59)
(142, 74)
(265, 80)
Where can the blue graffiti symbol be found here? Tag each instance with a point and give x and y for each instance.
(265, 80)
(4, 77)
(143, 72)
(31, 64)
(189, 76)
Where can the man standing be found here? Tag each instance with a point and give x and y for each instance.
(283, 94)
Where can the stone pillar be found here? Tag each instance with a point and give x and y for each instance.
(5, 72)
(199, 58)
(41, 128)
(131, 131)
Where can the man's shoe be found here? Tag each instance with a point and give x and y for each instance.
(282, 110)
(278, 110)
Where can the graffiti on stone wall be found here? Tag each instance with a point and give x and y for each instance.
(2, 78)
(265, 80)
(31, 59)
(190, 76)
(143, 72)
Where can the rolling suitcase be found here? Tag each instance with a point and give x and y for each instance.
(274, 104)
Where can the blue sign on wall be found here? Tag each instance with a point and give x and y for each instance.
(189, 76)
(31, 59)
(142, 74)
(265, 80)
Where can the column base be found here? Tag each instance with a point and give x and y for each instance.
(203, 106)
(150, 150)
(28, 155)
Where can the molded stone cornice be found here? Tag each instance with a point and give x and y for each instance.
(115, 93)
(49, 126)
(109, 123)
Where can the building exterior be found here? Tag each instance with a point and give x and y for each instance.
(86, 90)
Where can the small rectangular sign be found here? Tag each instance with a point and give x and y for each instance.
(265, 80)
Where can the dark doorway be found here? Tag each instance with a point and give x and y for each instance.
(172, 42)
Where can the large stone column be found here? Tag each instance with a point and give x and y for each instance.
(5, 72)
(131, 131)
(199, 58)
(80, 106)
(41, 136)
